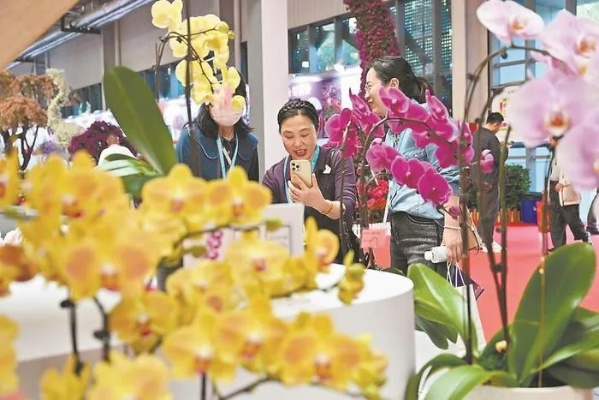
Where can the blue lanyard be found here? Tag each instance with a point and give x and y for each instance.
(221, 154)
(313, 161)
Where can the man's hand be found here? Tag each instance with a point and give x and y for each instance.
(310, 197)
(452, 239)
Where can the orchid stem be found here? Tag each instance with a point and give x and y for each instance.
(246, 389)
(104, 334)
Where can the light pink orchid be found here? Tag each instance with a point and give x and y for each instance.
(433, 187)
(548, 106)
(572, 40)
(578, 154)
(508, 19)
(380, 156)
(486, 162)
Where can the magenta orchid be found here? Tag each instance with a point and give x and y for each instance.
(433, 187)
(336, 127)
(508, 19)
(380, 156)
(486, 162)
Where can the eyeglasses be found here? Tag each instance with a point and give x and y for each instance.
(368, 87)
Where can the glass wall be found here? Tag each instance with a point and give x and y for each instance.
(326, 51)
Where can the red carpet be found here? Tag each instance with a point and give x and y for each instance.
(524, 252)
(524, 249)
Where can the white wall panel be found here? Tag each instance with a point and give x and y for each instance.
(300, 12)
(81, 58)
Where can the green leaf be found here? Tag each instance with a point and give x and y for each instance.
(436, 332)
(432, 289)
(440, 362)
(429, 312)
(547, 306)
(133, 172)
(581, 335)
(458, 382)
(573, 376)
(135, 183)
(136, 111)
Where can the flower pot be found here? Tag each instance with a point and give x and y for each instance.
(553, 393)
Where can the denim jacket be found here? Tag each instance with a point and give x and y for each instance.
(206, 162)
(403, 199)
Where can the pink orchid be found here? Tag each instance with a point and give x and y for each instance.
(447, 154)
(400, 169)
(416, 170)
(336, 127)
(548, 106)
(380, 156)
(367, 122)
(508, 19)
(578, 154)
(433, 187)
(439, 113)
(572, 40)
(455, 212)
(400, 106)
(486, 162)
(359, 106)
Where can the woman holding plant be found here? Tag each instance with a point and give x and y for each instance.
(416, 224)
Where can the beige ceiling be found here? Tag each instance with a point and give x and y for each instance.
(21, 24)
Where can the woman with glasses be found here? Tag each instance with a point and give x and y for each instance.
(416, 225)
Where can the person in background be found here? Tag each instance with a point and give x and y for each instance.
(564, 204)
(217, 142)
(592, 226)
(114, 147)
(325, 201)
(487, 137)
(416, 225)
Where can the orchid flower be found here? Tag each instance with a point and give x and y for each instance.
(548, 106)
(486, 162)
(433, 187)
(579, 154)
(572, 40)
(380, 156)
(508, 19)
(335, 129)
(401, 106)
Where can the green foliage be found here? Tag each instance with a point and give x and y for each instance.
(550, 333)
(134, 107)
(517, 185)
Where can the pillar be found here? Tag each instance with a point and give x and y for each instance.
(470, 46)
(268, 69)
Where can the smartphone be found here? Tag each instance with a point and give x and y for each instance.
(301, 169)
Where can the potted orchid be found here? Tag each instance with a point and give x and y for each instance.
(551, 347)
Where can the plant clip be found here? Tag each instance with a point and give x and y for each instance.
(67, 303)
(101, 334)
(498, 268)
(471, 77)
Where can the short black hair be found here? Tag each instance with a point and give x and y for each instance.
(296, 107)
(209, 127)
(495, 118)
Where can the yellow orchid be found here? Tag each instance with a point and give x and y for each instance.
(237, 200)
(259, 264)
(9, 179)
(9, 382)
(322, 246)
(201, 74)
(65, 385)
(121, 262)
(206, 285)
(313, 350)
(145, 377)
(166, 14)
(42, 244)
(178, 195)
(14, 266)
(353, 280)
(142, 321)
(197, 349)
(261, 333)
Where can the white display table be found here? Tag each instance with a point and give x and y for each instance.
(384, 309)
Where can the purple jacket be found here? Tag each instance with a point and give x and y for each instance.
(328, 174)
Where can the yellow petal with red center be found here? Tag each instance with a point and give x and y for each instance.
(327, 248)
(82, 270)
(297, 358)
(134, 265)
